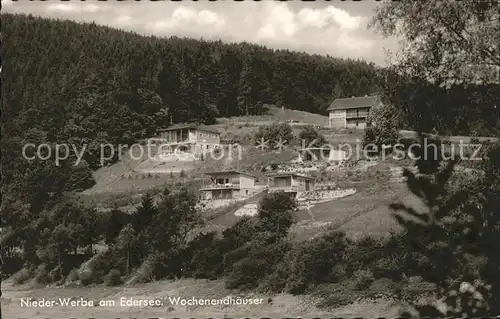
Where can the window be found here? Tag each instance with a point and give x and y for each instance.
(246, 192)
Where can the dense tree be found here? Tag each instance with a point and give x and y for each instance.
(276, 213)
(447, 76)
(310, 137)
(454, 241)
(273, 133)
(383, 128)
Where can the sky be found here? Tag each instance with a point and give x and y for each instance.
(337, 28)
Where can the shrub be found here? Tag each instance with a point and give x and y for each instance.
(145, 272)
(205, 254)
(274, 132)
(386, 120)
(362, 279)
(22, 276)
(86, 277)
(73, 276)
(313, 262)
(276, 213)
(95, 269)
(245, 274)
(251, 264)
(43, 275)
(113, 278)
(276, 282)
(310, 137)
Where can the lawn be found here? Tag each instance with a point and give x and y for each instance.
(366, 212)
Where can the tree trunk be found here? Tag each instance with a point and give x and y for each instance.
(59, 261)
(128, 262)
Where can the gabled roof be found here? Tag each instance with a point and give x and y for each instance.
(214, 173)
(354, 102)
(193, 126)
(291, 174)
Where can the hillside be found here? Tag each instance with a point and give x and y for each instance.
(277, 114)
(120, 86)
(282, 305)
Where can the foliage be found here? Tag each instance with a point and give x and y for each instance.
(253, 262)
(310, 137)
(275, 213)
(205, 257)
(313, 262)
(271, 134)
(126, 242)
(113, 278)
(384, 124)
(452, 240)
(458, 42)
(446, 77)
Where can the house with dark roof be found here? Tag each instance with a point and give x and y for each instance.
(352, 112)
(229, 184)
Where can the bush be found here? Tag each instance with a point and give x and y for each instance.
(113, 278)
(314, 262)
(251, 264)
(276, 213)
(144, 273)
(310, 137)
(273, 133)
(277, 281)
(94, 270)
(362, 279)
(73, 276)
(386, 121)
(22, 276)
(246, 274)
(205, 254)
(43, 275)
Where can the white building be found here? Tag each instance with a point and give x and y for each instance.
(229, 184)
(185, 141)
(291, 183)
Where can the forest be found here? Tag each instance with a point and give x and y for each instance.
(84, 84)
(106, 85)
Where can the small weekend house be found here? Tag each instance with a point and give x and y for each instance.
(292, 183)
(188, 139)
(229, 184)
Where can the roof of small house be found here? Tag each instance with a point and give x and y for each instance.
(193, 126)
(354, 102)
(214, 173)
(291, 174)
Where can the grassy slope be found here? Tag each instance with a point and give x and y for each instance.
(109, 179)
(377, 220)
(281, 305)
(277, 114)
